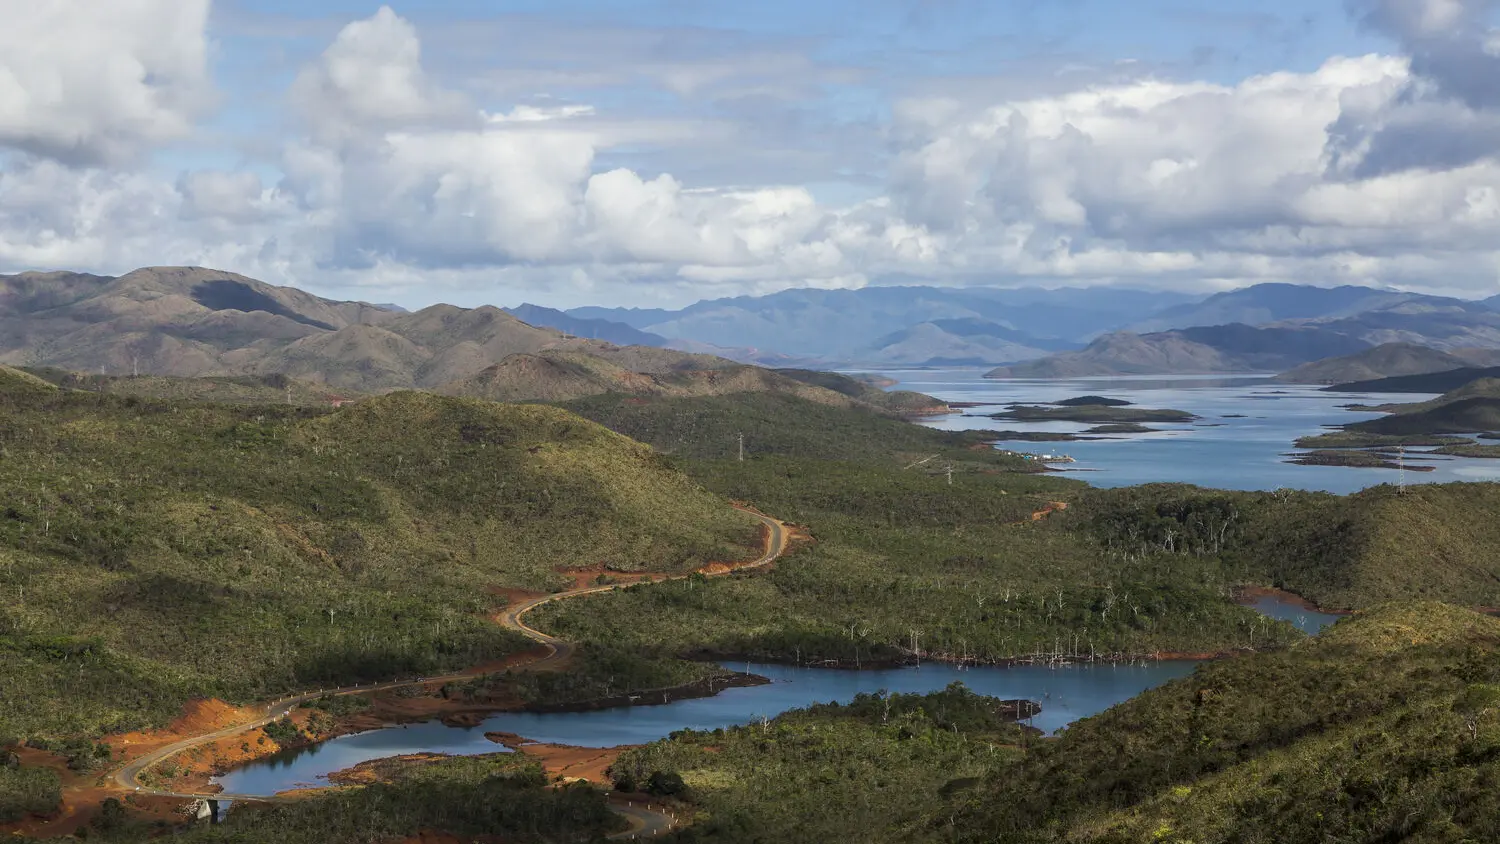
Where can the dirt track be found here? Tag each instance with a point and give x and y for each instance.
(126, 778)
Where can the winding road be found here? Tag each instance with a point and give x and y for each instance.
(645, 822)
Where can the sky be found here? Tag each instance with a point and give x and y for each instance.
(658, 152)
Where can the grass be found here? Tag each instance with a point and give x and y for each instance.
(885, 760)
(1432, 542)
(504, 795)
(27, 791)
(1360, 439)
(152, 552)
(904, 563)
(1352, 458)
(1475, 450)
(1381, 729)
(708, 428)
(239, 389)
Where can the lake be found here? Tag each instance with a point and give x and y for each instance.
(1220, 450)
(1066, 693)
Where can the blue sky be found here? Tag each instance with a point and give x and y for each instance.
(660, 151)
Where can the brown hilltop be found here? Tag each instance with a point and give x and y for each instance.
(196, 322)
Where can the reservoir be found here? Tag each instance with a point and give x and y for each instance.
(1246, 427)
(1066, 693)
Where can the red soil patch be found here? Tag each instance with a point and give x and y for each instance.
(1248, 594)
(82, 796)
(1052, 507)
(574, 763)
(198, 717)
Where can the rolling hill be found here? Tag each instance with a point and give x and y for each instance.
(164, 550)
(195, 322)
(1382, 728)
(1263, 304)
(1383, 361)
(1216, 349)
(1432, 382)
(559, 376)
(956, 342)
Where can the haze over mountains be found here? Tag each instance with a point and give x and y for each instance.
(190, 321)
(196, 321)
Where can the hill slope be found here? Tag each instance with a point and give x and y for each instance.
(192, 321)
(1261, 304)
(1383, 728)
(1433, 382)
(157, 551)
(1383, 361)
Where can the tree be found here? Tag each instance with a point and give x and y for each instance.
(665, 784)
(1474, 702)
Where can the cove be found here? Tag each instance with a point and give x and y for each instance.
(1066, 693)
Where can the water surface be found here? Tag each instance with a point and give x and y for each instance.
(1248, 424)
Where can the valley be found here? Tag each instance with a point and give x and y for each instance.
(936, 607)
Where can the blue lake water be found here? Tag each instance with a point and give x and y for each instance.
(1248, 424)
(1306, 620)
(1242, 453)
(1066, 693)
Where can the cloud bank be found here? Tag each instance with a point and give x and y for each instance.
(375, 169)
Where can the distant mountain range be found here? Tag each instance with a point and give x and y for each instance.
(1331, 323)
(195, 321)
(901, 326)
(191, 321)
(1263, 304)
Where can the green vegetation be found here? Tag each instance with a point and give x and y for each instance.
(1384, 728)
(1092, 413)
(708, 428)
(155, 552)
(1360, 439)
(27, 791)
(1353, 458)
(224, 389)
(905, 564)
(598, 672)
(1464, 416)
(502, 794)
(884, 761)
(1474, 450)
(1432, 542)
(893, 401)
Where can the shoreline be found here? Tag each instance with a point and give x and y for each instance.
(1246, 595)
(254, 746)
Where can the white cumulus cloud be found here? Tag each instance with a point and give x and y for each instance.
(100, 82)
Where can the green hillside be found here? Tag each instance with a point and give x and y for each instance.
(1460, 416)
(1385, 728)
(889, 760)
(708, 428)
(894, 401)
(151, 552)
(1435, 541)
(480, 798)
(224, 389)
(904, 562)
